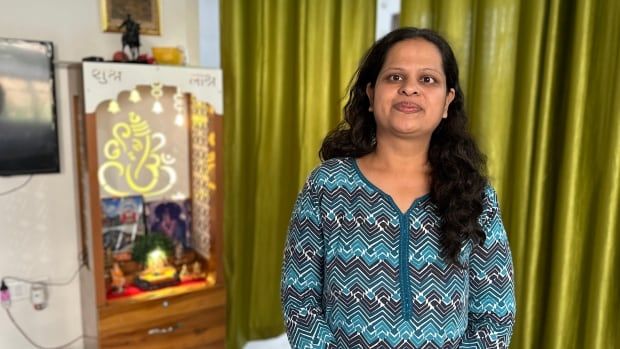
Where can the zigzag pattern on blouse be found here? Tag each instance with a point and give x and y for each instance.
(349, 281)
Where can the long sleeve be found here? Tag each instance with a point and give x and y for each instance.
(302, 276)
(491, 287)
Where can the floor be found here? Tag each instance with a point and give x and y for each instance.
(273, 343)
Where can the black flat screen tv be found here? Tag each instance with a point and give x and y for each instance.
(28, 121)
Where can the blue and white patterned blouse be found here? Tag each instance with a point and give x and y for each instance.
(358, 273)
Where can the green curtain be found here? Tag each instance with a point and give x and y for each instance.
(286, 67)
(542, 86)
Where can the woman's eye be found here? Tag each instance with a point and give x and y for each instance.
(428, 79)
(395, 77)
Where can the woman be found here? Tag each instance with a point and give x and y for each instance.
(396, 240)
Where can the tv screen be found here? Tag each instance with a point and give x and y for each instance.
(28, 132)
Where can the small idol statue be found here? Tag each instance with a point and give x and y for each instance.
(197, 270)
(184, 274)
(131, 37)
(118, 279)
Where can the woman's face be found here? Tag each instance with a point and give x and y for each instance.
(409, 97)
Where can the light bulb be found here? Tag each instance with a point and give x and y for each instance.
(157, 108)
(113, 107)
(179, 120)
(156, 260)
(134, 96)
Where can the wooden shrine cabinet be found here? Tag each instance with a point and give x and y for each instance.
(149, 148)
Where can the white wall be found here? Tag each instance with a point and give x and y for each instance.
(75, 27)
(209, 22)
(386, 10)
(38, 223)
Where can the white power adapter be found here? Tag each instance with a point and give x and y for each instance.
(38, 296)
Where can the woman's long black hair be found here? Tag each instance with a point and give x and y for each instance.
(458, 168)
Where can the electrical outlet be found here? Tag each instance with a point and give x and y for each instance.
(21, 290)
(38, 296)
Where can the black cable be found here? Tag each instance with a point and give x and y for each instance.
(17, 188)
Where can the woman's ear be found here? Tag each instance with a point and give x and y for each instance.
(449, 99)
(370, 92)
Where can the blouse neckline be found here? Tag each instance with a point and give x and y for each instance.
(361, 175)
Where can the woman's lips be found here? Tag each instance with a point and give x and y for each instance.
(408, 107)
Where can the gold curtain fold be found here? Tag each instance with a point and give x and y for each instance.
(542, 85)
(286, 66)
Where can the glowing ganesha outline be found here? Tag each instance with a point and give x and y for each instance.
(146, 164)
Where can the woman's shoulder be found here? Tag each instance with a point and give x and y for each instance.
(331, 169)
(489, 199)
(490, 207)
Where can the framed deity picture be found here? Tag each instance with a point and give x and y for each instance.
(123, 221)
(115, 14)
(172, 218)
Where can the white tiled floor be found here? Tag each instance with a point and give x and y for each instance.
(273, 343)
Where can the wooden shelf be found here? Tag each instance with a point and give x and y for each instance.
(164, 292)
(184, 320)
(189, 315)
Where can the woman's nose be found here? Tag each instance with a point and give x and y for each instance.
(409, 89)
